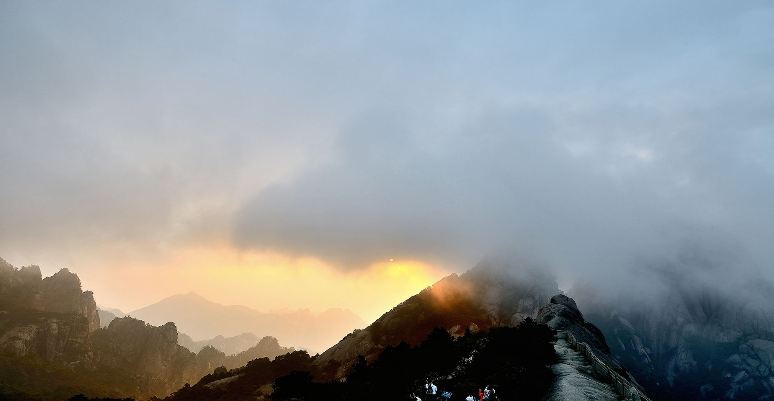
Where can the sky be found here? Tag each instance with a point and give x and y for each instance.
(279, 154)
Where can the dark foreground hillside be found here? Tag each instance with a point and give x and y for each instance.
(513, 359)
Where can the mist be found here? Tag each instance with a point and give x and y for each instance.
(606, 147)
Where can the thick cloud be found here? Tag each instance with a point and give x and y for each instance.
(591, 136)
(515, 178)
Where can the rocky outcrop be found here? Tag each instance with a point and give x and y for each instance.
(562, 314)
(49, 318)
(151, 352)
(55, 338)
(52, 323)
(25, 289)
(61, 293)
(20, 288)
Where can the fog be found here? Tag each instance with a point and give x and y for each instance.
(620, 143)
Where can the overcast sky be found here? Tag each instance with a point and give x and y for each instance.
(590, 136)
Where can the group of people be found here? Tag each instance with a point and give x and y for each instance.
(431, 392)
(487, 394)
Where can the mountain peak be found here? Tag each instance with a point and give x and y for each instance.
(193, 295)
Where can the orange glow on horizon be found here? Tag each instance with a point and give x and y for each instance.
(265, 281)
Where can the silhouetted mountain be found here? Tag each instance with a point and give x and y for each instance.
(229, 346)
(116, 312)
(210, 358)
(106, 315)
(201, 319)
(491, 294)
(105, 318)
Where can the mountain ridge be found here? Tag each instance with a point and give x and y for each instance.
(394, 355)
(202, 319)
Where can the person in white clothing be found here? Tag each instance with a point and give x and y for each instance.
(470, 398)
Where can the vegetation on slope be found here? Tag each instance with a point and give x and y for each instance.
(513, 359)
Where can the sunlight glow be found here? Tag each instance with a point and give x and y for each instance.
(267, 281)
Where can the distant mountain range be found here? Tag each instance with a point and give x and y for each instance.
(227, 345)
(202, 319)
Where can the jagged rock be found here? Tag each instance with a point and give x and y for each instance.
(62, 339)
(755, 357)
(153, 352)
(20, 288)
(562, 313)
(47, 318)
(24, 289)
(561, 299)
(62, 294)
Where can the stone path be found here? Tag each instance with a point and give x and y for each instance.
(574, 379)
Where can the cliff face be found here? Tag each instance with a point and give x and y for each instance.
(20, 288)
(53, 320)
(56, 338)
(47, 318)
(573, 376)
(54, 326)
(61, 293)
(153, 353)
(25, 289)
(562, 313)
